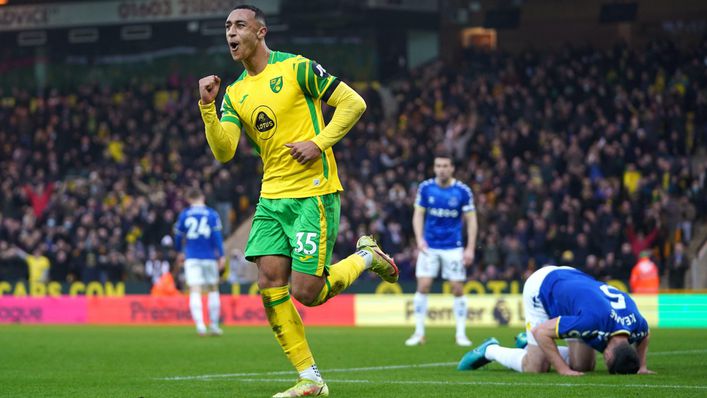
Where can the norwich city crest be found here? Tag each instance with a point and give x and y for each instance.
(276, 84)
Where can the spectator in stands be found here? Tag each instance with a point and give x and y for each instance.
(644, 275)
(533, 143)
(677, 266)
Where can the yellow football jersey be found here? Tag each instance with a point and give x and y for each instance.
(281, 105)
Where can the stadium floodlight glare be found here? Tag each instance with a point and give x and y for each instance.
(193, 26)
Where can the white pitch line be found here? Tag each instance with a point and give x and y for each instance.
(370, 368)
(288, 372)
(677, 352)
(482, 383)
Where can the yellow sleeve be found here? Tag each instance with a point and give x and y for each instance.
(223, 136)
(349, 108)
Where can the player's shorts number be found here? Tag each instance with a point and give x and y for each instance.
(309, 246)
(618, 302)
(196, 227)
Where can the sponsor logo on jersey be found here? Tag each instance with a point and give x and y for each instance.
(446, 213)
(264, 121)
(276, 84)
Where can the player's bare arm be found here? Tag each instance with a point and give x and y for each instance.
(642, 351)
(545, 336)
(471, 229)
(418, 224)
(208, 88)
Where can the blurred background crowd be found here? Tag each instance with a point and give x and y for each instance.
(577, 157)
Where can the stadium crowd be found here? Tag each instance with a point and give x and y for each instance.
(579, 157)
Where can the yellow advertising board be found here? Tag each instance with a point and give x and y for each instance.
(398, 310)
(484, 310)
(648, 306)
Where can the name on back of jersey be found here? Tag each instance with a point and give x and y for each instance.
(628, 320)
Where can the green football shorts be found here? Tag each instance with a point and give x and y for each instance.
(303, 229)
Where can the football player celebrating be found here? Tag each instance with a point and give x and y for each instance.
(277, 102)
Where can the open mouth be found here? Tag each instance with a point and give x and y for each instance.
(233, 45)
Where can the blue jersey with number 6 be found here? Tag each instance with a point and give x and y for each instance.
(590, 310)
(201, 227)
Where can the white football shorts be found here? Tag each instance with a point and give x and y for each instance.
(200, 272)
(535, 313)
(451, 261)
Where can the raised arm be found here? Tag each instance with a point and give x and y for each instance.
(222, 135)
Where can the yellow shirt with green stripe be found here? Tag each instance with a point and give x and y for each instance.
(281, 105)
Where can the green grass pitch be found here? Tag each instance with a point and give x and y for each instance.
(105, 361)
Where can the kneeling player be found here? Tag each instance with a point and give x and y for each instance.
(565, 303)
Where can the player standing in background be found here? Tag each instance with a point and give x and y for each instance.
(203, 257)
(277, 101)
(565, 303)
(441, 205)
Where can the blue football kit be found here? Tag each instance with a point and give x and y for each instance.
(201, 226)
(444, 211)
(590, 310)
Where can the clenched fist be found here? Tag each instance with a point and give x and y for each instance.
(208, 88)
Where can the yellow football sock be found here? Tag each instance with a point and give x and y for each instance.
(287, 326)
(341, 276)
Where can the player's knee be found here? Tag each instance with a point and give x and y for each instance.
(535, 362)
(266, 281)
(585, 364)
(536, 367)
(583, 367)
(423, 286)
(457, 290)
(305, 296)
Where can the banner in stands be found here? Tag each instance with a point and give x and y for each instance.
(46, 16)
